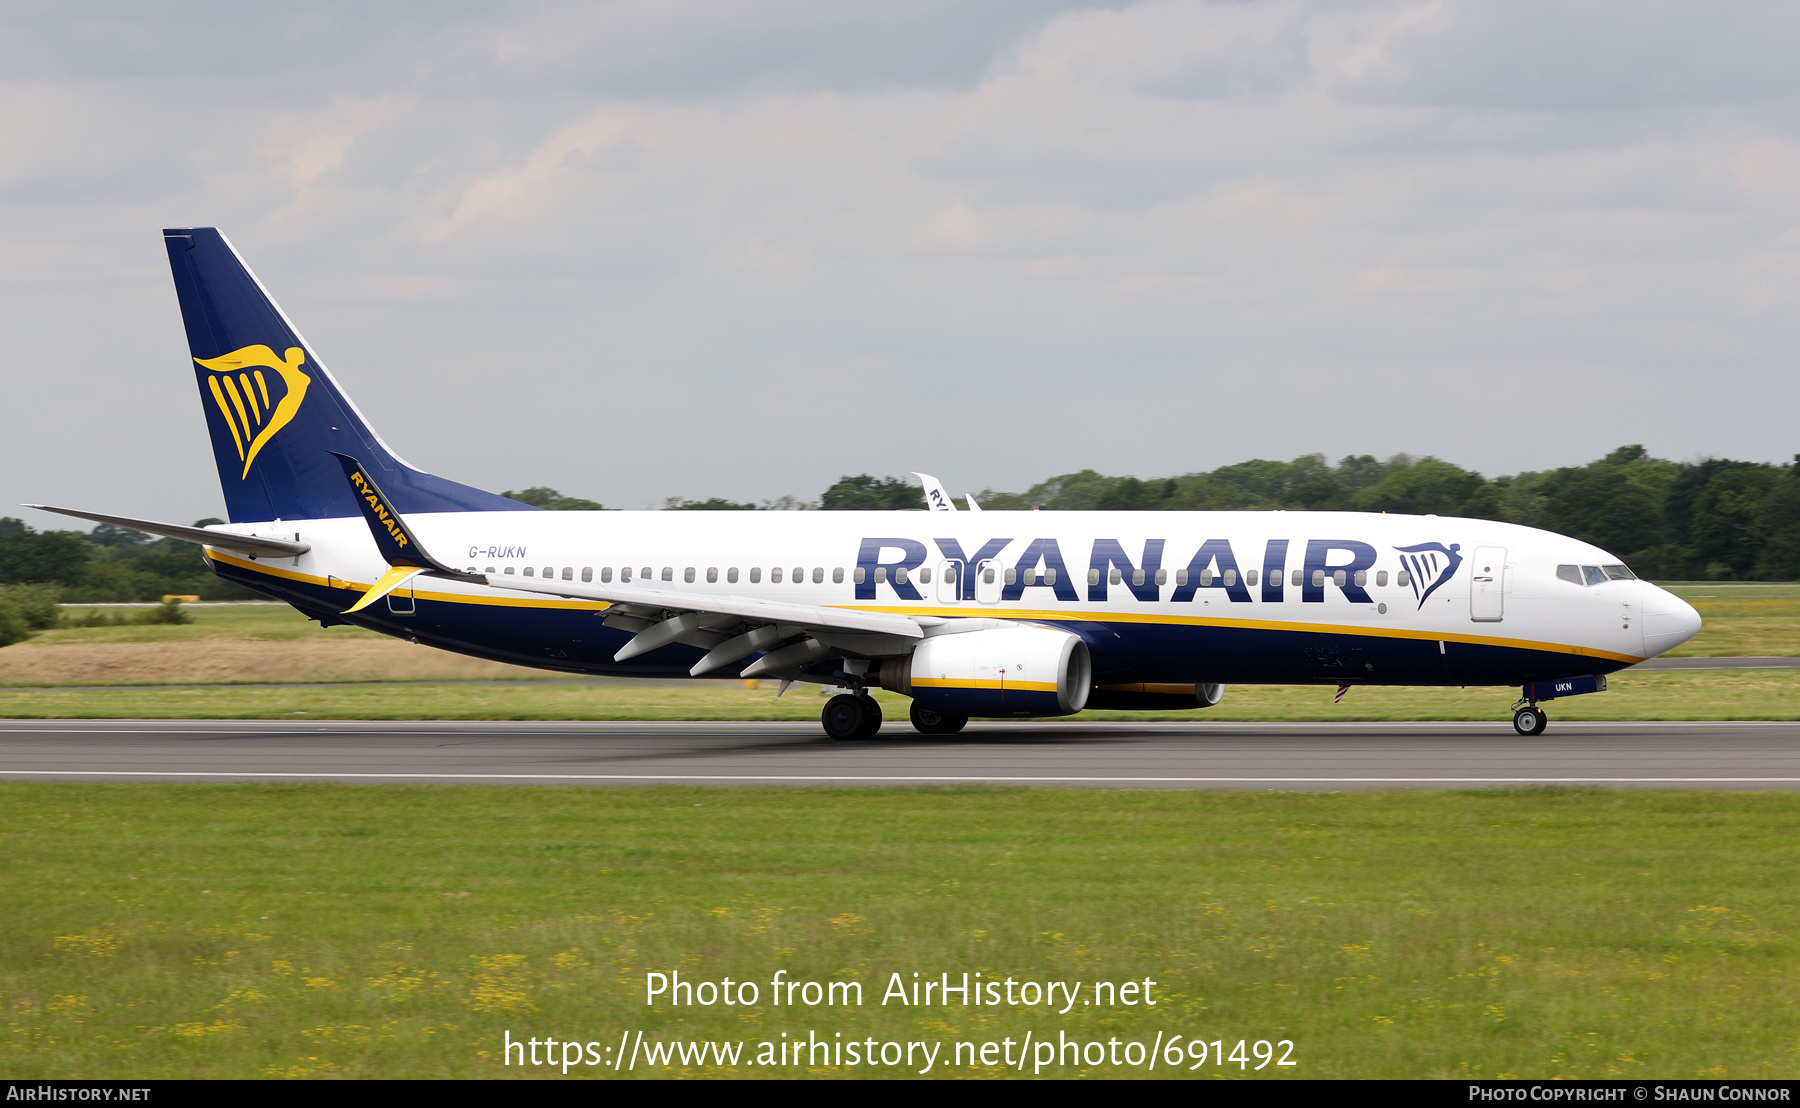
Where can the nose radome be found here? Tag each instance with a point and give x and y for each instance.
(1669, 620)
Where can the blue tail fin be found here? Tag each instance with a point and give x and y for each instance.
(275, 414)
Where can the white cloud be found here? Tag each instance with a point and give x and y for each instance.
(995, 242)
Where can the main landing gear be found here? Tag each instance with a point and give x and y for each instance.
(1530, 720)
(847, 716)
(936, 723)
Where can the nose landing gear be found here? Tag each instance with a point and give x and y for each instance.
(1530, 720)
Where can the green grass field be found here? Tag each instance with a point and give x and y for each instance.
(1750, 620)
(250, 931)
(1716, 694)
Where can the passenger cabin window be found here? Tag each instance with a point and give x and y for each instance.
(687, 575)
(1381, 577)
(1571, 574)
(1249, 577)
(624, 575)
(549, 571)
(837, 575)
(880, 574)
(647, 574)
(1339, 577)
(1181, 576)
(527, 571)
(775, 575)
(1094, 576)
(1231, 577)
(1362, 578)
(569, 573)
(509, 572)
(1162, 576)
(1137, 576)
(818, 575)
(491, 569)
(925, 576)
(1012, 576)
(668, 573)
(1403, 579)
(587, 574)
(1115, 576)
(1206, 576)
(799, 575)
(605, 574)
(755, 575)
(859, 575)
(1593, 575)
(731, 576)
(987, 576)
(712, 575)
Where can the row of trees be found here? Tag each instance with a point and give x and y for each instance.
(1713, 519)
(109, 564)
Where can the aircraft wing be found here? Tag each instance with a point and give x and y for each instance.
(733, 626)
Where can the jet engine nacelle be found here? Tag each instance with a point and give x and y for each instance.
(1002, 671)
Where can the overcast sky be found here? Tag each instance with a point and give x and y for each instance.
(634, 250)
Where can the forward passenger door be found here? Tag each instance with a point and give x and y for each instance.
(1487, 585)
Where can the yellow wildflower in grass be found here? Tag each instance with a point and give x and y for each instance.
(569, 959)
(103, 944)
(202, 1030)
(398, 982)
(498, 984)
(846, 924)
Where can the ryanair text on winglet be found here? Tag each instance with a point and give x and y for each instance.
(375, 506)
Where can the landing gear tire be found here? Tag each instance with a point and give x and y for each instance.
(936, 723)
(851, 717)
(1530, 720)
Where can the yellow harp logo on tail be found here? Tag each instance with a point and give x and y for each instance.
(241, 390)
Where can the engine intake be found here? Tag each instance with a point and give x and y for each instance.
(1001, 671)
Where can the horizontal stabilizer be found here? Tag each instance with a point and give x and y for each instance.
(250, 544)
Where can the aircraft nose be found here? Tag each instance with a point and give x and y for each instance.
(1669, 620)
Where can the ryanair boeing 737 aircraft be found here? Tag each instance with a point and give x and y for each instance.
(969, 613)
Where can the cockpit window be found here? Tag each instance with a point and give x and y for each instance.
(1571, 574)
(1593, 575)
(1618, 573)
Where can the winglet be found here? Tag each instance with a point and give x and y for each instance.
(935, 495)
(391, 580)
(392, 537)
(399, 547)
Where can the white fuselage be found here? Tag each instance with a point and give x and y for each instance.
(1193, 594)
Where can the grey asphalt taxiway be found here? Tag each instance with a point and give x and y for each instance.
(1118, 755)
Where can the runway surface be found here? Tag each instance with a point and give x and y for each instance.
(1121, 755)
